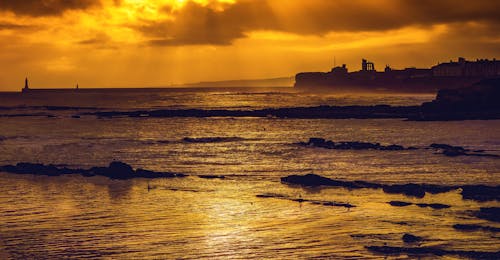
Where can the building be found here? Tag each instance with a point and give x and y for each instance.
(465, 68)
(367, 65)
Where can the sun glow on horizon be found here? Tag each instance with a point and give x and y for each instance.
(159, 41)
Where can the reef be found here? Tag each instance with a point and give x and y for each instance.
(474, 227)
(328, 144)
(445, 149)
(318, 112)
(472, 192)
(422, 251)
(491, 214)
(301, 200)
(409, 238)
(115, 170)
(211, 139)
(421, 205)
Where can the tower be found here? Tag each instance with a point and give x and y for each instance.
(26, 86)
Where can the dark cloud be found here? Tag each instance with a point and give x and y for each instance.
(197, 24)
(45, 7)
(13, 26)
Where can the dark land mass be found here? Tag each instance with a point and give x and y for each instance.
(442, 76)
(480, 101)
(428, 251)
(474, 227)
(444, 149)
(115, 170)
(471, 192)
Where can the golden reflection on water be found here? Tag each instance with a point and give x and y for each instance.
(194, 217)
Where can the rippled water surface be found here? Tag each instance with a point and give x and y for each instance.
(193, 217)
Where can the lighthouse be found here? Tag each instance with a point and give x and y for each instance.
(26, 86)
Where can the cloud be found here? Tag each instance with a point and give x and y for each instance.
(45, 7)
(13, 26)
(196, 24)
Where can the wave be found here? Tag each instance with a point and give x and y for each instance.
(50, 108)
(212, 139)
(317, 112)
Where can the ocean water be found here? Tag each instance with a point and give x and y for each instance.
(75, 217)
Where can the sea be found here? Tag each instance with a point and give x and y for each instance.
(250, 213)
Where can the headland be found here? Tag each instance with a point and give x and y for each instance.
(448, 75)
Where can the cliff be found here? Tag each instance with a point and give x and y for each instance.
(479, 101)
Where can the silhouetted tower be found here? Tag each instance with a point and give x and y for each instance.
(77, 86)
(26, 86)
(367, 65)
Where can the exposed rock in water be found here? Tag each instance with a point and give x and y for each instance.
(481, 192)
(396, 203)
(413, 190)
(115, 170)
(331, 112)
(473, 192)
(212, 176)
(491, 214)
(473, 227)
(301, 200)
(323, 143)
(433, 205)
(409, 238)
(211, 139)
(392, 250)
(453, 151)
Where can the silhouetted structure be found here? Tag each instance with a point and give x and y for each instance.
(444, 75)
(367, 65)
(26, 86)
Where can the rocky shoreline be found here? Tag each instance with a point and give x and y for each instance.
(470, 192)
(115, 170)
(477, 102)
(445, 149)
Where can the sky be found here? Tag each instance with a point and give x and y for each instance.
(153, 43)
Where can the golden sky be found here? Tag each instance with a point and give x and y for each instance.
(134, 43)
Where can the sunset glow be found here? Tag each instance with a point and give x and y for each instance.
(134, 43)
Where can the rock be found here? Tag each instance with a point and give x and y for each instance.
(481, 192)
(302, 200)
(479, 101)
(399, 203)
(409, 238)
(433, 205)
(410, 189)
(115, 170)
(314, 180)
(472, 227)
(212, 176)
(323, 143)
(415, 251)
(119, 170)
(491, 214)
(141, 173)
(211, 139)
(446, 147)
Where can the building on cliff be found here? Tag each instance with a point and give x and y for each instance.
(444, 75)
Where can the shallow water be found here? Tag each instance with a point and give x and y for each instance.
(70, 216)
